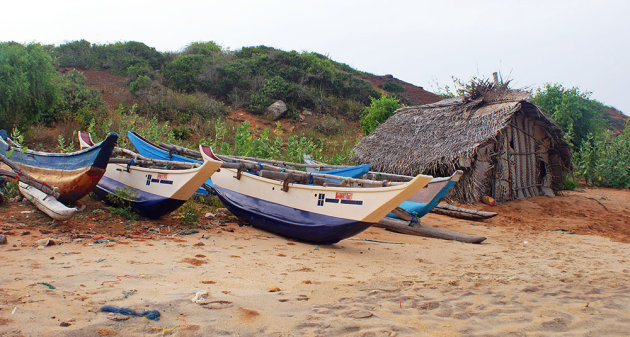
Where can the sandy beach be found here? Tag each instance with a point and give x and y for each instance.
(534, 276)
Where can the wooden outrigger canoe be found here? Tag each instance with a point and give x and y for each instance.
(74, 174)
(308, 207)
(152, 187)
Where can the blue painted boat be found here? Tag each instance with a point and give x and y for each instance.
(74, 174)
(307, 211)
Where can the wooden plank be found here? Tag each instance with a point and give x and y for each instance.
(462, 213)
(401, 226)
(181, 149)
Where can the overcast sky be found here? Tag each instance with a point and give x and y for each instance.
(574, 43)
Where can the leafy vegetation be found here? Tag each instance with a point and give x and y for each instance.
(9, 188)
(62, 147)
(604, 159)
(26, 89)
(76, 101)
(121, 203)
(599, 157)
(188, 214)
(118, 57)
(573, 110)
(253, 77)
(32, 91)
(18, 138)
(393, 87)
(379, 111)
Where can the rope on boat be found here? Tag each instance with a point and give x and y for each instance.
(131, 162)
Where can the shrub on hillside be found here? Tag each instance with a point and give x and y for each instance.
(202, 48)
(604, 159)
(276, 88)
(137, 70)
(182, 73)
(76, 102)
(27, 90)
(141, 84)
(116, 57)
(180, 106)
(378, 112)
(75, 54)
(393, 87)
(573, 110)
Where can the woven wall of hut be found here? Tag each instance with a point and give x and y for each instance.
(522, 167)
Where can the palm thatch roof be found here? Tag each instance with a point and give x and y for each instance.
(440, 137)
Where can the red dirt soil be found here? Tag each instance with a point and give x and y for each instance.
(415, 95)
(616, 118)
(113, 87)
(594, 211)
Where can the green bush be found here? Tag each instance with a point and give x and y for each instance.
(378, 112)
(121, 202)
(27, 90)
(181, 132)
(573, 110)
(276, 88)
(604, 159)
(10, 189)
(188, 214)
(202, 48)
(116, 58)
(183, 72)
(137, 70)
(75, 54)
(141, 84)
(76, 102)
(393, 87)
(569, 183)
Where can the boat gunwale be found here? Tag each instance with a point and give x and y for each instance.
(96, 147)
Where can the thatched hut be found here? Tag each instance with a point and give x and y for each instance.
(507, 147)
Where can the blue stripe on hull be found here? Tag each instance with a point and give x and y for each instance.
(96, 156)
(302, 225)
(145, 203)
(149, 150)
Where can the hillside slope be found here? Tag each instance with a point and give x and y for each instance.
(616, 118)
(414, 94)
